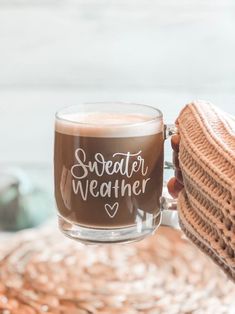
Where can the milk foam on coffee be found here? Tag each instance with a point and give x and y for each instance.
(108, 125)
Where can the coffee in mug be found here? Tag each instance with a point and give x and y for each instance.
(108, 170)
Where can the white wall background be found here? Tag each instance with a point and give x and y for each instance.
(62, 52)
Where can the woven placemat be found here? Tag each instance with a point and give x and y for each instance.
(43, 272)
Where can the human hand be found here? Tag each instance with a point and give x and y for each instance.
(175, 184)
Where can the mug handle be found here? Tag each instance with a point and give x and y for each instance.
(169, 205)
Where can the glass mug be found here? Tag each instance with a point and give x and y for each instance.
(108, 172)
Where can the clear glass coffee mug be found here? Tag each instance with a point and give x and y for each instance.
(108, 172)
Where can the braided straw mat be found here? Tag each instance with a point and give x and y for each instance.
(41, 271)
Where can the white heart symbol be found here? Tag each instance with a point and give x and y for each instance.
(111, 210)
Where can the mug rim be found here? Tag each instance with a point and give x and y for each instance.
(155, 110)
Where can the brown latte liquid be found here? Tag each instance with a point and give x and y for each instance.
(103, 180)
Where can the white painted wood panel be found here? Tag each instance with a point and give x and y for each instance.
(56, 53)
(108, 44)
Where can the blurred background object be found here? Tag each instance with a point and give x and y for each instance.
(22, 204)
(62, 52)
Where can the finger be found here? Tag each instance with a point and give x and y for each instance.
(178, 176)
(175, 141)
(175, 159)
(174, 187)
